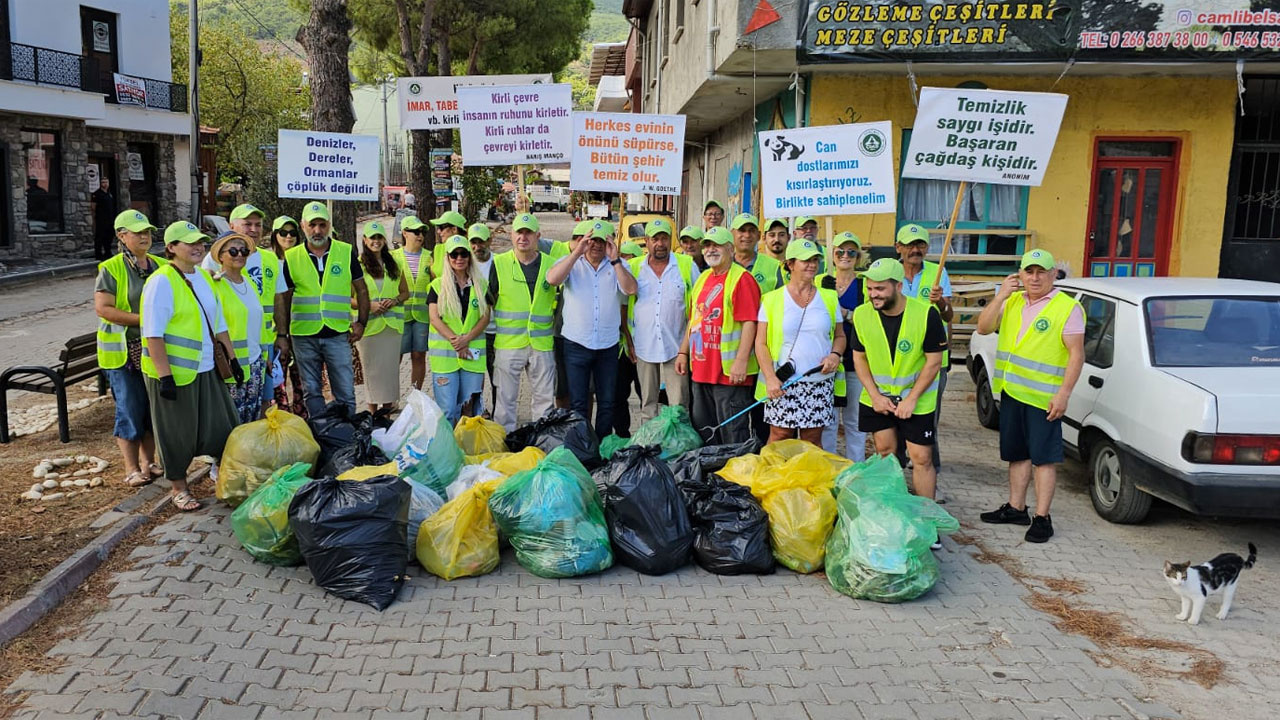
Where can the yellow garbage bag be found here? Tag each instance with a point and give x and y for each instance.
(256, 450)
(509, 463)
(477, 436)
(793, 481)
(740, 470)
(461, 539)
(365, 472)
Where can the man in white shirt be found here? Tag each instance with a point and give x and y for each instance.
(595, 281)
(482, 255)
(659, 313)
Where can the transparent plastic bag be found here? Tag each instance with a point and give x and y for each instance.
(612, 444)
(254, 451)
(477, 436)
(671, 429)
(509, 463)
(421, 443)
(472, 475)
(793, 480)
(461, 539)
(261, 522)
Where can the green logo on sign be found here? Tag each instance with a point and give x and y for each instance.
(872, 143)
(904, 346)
(414, 88)
(1042, 325)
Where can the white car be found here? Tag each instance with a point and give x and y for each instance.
(1179, 397)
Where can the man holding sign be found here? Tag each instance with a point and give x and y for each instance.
(926, 281)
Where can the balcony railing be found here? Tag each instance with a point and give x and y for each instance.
(43, 66)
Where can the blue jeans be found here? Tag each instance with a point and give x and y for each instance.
(414, 338)
(133, 409)
(315, 355)
(582, 367)
(454, 389)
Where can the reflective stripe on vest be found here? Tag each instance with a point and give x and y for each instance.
(896, 373)
(1031, 369)
(730, 329)
(393, 318)
(267, 294)
(440, 353)
(320, 302)
(184, 335)
(773, 305)
(113, 350)
(522, 323)
(237, 317)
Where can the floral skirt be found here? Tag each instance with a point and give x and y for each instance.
(804, 405)
(248, 395)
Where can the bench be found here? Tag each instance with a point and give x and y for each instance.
(79, 360)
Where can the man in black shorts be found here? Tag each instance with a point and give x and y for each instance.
(897, 344)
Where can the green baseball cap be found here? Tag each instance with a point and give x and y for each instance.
(280, 222)
(658, 225)
(908, 234)
(691, 231)
(768, 224)
(803, 250)
(884, 269)
(711, 202)
(583, 228)
(479, 231)
(133, 221)
(601, 229)
(314, 211)
(1041, 258)
(802, 220)
(744, 219)
(844, 238)
(457, 242)
(184, 232)
(524, 221)
(632, 248)
(718, 235)
(411, 222)
(375, 229)
(245, 210)
(451, 217)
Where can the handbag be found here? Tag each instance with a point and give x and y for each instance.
(221, 358)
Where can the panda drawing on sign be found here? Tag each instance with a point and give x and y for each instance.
(783, 149)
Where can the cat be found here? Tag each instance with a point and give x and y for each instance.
(1195, 583)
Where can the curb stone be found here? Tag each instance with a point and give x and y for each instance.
(85, 267)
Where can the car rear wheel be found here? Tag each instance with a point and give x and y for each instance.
(1114, 495)
(988, 412)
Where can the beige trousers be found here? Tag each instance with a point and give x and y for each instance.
(652, 375)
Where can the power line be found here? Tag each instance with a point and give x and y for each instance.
(270, 32)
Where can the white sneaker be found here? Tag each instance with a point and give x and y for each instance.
(936, 546)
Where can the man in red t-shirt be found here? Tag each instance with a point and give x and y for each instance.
(717, 395)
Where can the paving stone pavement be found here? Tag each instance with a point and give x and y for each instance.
(198, 630)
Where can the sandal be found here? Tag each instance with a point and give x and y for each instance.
(155, 470)
(137, 479)
(185, 502)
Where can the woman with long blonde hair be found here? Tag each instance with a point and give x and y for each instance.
(459, 313)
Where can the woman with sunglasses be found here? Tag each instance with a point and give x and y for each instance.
(846, 254)
(380, 346)
(459, 313)
(417, 323)
(284, 235)
(238, 296)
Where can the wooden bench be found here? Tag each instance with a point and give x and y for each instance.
(79, 363)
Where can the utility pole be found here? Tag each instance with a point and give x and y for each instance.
(193, 79)
(386, 137)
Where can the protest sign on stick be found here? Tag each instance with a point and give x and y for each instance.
(327, 166)
(828, 170)
(627, 152)
(516, 124)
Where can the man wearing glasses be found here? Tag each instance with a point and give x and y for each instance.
(417, 321)
(712, 215)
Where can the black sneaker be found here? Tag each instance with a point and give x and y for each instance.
(1041, 529)
(1005, 515)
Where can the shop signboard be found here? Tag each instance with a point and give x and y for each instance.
(130, 90)
(827, 170)
(442, 172)
(516, 124)
(627, 152)
(986, 136)
(431, 103)
(327, 166)
(1031, 30)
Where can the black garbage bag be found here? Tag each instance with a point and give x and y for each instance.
(360, 453)
(559, 428)
(648, 523)
(692, 466)
(731, 529)
(353, 536)
(335, 428)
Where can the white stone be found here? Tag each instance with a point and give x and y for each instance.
(38, 487)
(96, 459)
(84, 472)
(53, 496)
(62, 461)
(82, 458)
(82, 482)
(95, 482)
(66, 483)
(49, 484)
(31, 495)
(102, 465)
(52, 476)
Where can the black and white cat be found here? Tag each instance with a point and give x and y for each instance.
(1195, 583)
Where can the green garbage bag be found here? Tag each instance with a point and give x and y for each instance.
(554, 518)
(671, 429)
(879, 549)
(261, 522)
(612, 444)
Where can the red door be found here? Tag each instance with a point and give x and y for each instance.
(1131, 208)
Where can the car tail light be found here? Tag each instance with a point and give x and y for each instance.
(1231, 449)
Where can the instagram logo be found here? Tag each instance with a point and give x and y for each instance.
(1184, 17)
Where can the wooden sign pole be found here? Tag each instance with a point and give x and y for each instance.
(951, 228)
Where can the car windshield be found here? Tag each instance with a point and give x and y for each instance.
(635, 230)
(1214, 331)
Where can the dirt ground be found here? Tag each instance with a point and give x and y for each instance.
(35, 536)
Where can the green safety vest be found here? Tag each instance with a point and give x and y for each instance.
(267, 293)
(320, 303)
(184, 335)
(687, 271)
(730, 329)
(522, 323)
(773, 305)
(437, 260)
(898, 375)
(112, 350)
(1031, 369)
(928, 276)
(393, 318)
(415, 308)
(559, 248)
(237, 317)
(441, 355)
(765, 270)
